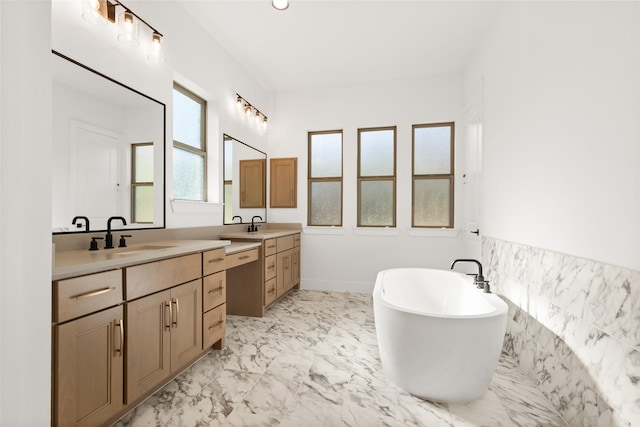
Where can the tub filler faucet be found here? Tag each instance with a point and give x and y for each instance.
(478, 278)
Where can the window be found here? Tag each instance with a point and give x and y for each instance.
(142, 183)
(189, 145)
(325, 178)
(433, 175)
(377, 177)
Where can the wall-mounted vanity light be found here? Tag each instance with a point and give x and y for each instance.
(104, 11)
(244, 107)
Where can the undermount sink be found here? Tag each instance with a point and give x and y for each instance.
(139, 249)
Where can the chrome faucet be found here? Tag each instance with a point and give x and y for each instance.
(108, 239)
(478, 278)
(253, 227)
(237, 216)
(86, 222)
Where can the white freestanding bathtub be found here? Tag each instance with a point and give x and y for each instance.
(439, 336)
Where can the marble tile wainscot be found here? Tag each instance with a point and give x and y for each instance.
(574, 327)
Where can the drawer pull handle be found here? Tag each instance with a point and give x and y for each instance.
(271, 291)
(271, 246)
(175, 301)
(216, 290)
(245, 257)
(94, 293)
(271, 267)
(216, 325)
(120, 350)
(170, 316)
(215, 260)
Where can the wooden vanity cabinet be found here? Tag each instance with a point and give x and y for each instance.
(282, 266)
(214, 307)
(164, 328)
(88, 346)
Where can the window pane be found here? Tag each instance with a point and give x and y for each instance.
(432, 150)
(144, 163)
(326, 203)
(143, 204)
(377, 153)
(376, 203)
(326, 155)
(187, 120)
(188, 175)
(431, 203)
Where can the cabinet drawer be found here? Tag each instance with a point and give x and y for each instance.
(214, 323)
(78, 296)
(148, 278)
(214, 291)
(213, 261)
(270, 291)
(296, 239)
(269, 267)
(285, 243)
(243, 257)
(270, 247)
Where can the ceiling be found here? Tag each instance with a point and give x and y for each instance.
(336, 42)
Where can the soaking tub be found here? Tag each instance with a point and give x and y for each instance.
(439, 336)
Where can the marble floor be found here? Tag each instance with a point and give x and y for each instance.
(313, 361)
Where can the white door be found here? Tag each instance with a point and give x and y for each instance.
(472, 176)
(96, 173)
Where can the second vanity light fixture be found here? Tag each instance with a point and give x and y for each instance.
(104, 11)
(251, 112)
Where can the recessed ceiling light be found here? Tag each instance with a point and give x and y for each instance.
(280, 4)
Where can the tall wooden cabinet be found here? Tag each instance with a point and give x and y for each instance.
(283, 183)
(253, 183)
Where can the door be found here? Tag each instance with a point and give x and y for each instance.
(472, 177)
(148, 343)
(95, 173)
(89, 369)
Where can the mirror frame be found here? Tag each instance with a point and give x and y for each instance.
(226, 136)
(163, 147)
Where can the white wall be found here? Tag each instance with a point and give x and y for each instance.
(346, 258)
(194, 60)
(561, 130)
(25, 213)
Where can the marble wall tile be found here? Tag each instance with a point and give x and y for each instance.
(574, 327)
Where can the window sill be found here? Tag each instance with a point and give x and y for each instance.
(326, 231)
(376, 231)
(433, 232)
(191, 206)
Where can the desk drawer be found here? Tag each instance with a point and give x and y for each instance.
(296, 239)
(243, 257)
(270, 267)
(214, 323)
(78, 296)
(213, 261)
(270, 292)
(214, 291)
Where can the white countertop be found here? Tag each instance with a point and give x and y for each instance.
(259, 235)
(78, 263)
(235, 247)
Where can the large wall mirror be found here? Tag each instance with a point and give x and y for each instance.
(245, 178)
(108, 151)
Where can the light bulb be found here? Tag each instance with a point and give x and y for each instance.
(128, 28)
(264, 123)
(247, 111)
(280, 4)
(239, 103)
(94, 12)
(156, 51)
(258, 117)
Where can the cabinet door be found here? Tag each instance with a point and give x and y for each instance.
(186, 324)
(284, 275)
(252, 183)
(148, 343)
(283, 187)
(295, 266)
(89, 369)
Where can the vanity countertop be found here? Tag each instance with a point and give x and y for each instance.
(236, 247)
(81, 262)
(259, 235)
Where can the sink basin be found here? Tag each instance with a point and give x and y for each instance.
(139, 249)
